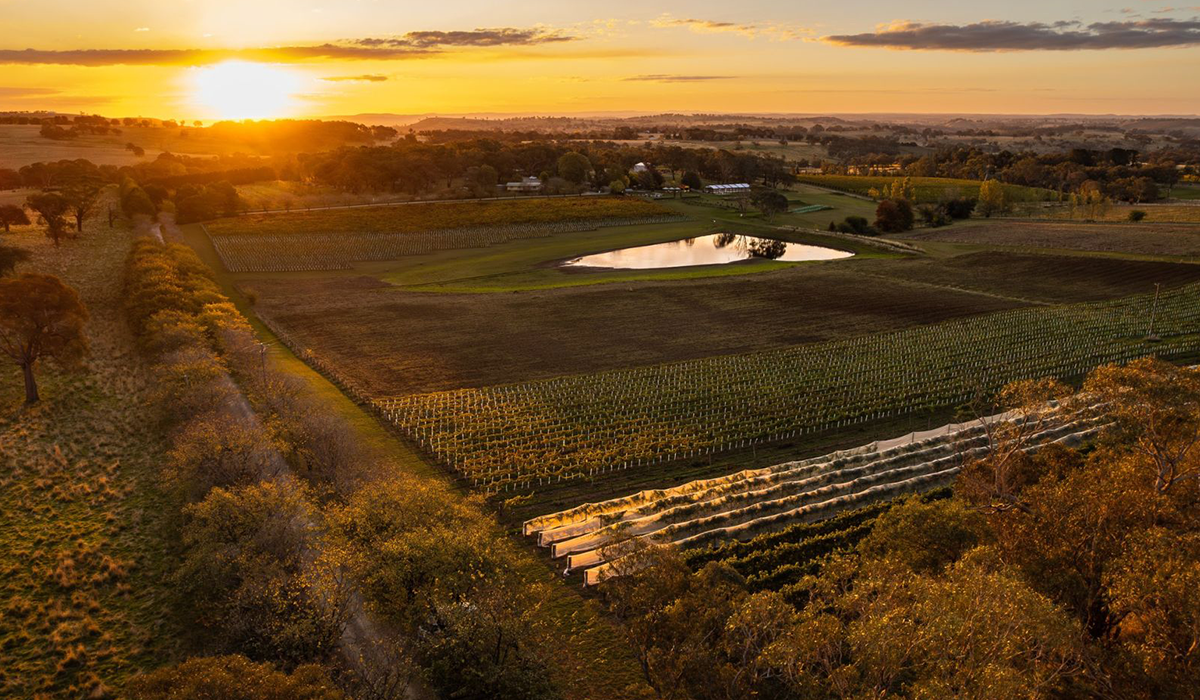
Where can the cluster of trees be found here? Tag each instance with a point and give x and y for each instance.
(1120, 174)
(1060, 572)
(414, 167)
(286, 517)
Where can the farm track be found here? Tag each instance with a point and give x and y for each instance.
(753, 503)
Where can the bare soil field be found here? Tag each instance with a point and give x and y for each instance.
(395, 342)
(1051, 278)
(1135, 239)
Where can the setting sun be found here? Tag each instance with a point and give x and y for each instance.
(243, 90)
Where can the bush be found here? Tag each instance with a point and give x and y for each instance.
(246, 575)
(1137, 215)
(857, 225)
(219, 450)
(232, 678)
(436, 567)
(894, 216)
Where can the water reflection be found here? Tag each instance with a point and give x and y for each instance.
(714, 249)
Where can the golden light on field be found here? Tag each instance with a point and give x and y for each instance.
(245, 90)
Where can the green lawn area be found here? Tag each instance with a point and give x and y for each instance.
(1188, 191)
(529, 264)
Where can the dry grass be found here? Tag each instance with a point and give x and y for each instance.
(1174, 240)
(1155, 213)
(83, 600)
(21, 145)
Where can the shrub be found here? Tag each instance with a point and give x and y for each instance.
(232, 678)
(1137, 215)
(894, 216)
(219, 450)
(246, 574)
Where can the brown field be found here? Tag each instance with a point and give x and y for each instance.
(1053, 278)
(21, 145)
(396, 342)
(1136, 239)
(1155, 213)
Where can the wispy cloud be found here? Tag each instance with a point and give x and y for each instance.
(6, 91)
(770, 30)
(407, 46)
(504, 36)
(675, 78)
(1031, 36)
(356, 78)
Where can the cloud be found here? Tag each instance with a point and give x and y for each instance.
(1032, 36)
(774, 31)
(26, 91)
(195, 57)
(675, 78)
(411, 45)
(704, 26)
(505, 36)
(356, 78)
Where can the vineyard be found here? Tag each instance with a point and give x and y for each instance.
(438, 216)
(761, 520)
(297, 252)
(927, 189)
(521, 436)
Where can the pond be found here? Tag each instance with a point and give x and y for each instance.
(714, 249)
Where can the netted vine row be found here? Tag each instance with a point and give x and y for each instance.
(298, 252)
(520, 436)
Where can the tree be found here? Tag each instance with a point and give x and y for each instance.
(992, 199)
(232, 678)
(249, 576)
(770, 203)
(574, 167)
(994, 482)
(40, 318)
(692, 180)
(81, 199)
(1155, 590)
(13, 215)
(617, 187)
(926, 537)
(894, 216)
(53, 208)
(10, 257)
(1156, 406)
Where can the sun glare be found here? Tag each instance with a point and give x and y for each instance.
(242, 90)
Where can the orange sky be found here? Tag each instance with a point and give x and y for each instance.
(137, 57)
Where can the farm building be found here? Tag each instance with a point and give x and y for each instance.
(723, 190)
(529, 184)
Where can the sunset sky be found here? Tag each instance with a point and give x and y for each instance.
(172, 58)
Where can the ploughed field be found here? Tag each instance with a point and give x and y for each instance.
(1179, 240)
(772, 524)
(1047, 278)
(335, 239)
(523, 436)
(391, 342)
